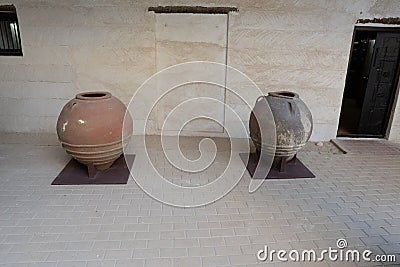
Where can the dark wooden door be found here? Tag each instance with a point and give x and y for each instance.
(380, 89)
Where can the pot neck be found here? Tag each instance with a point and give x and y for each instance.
(91, 96)
(284, 94)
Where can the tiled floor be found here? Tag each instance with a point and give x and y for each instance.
(355, 197)
(351, 146)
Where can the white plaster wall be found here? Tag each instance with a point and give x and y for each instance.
(394, 134)
(182, 38)
(72, 46)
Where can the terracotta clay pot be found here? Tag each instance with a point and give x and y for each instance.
(90, 127)
(293, 122)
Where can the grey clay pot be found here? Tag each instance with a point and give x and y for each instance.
(293, 121)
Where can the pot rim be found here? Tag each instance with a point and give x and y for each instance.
(284, 94)
(93, 95)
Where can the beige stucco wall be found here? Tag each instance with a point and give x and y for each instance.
(72, 46)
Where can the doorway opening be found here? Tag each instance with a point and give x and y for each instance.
(371, 82)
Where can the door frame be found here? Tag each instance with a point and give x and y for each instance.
(395, 95)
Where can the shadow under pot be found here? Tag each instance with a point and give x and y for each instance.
(91, 126)
(293, 122)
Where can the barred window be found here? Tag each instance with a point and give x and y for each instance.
(10, 38)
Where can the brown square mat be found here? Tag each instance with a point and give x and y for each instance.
(75, 173)
(294, 168)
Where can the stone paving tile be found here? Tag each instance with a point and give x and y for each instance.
(215, 261)
(158, 262)
(355, 197)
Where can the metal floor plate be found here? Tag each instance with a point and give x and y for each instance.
(294, 168)
(75, 173)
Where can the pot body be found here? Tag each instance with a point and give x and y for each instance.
(293, 122)
(90, 127)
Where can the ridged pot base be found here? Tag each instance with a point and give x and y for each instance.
(102, 156)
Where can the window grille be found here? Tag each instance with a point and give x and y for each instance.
(10, 38)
